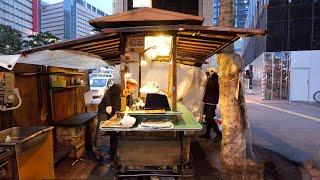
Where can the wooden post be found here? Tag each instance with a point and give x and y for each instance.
(169, 81)
(139, 83)
(123, 68)
(174, 74)
(122, 73)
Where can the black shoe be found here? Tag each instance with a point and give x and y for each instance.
(217, 139)
(98, 157)
(205, 136)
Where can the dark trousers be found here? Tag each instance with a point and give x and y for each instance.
(99, 136)
(210, 112)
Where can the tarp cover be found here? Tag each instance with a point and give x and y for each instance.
(191, 82)
(58, 58)
(8, 61)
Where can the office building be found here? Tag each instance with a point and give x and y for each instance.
(21, 15)
(193, 7)
(52, 19)
(241, 12)
(68, 19)
(286, 62)
(117, 6)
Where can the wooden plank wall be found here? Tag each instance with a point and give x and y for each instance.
(35, 109)
(63, 104)
(33, 92)
(68, 102)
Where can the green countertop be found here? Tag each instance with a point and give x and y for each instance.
(185, 122)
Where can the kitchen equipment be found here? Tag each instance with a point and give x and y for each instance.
(157, 101)
(6, 164)
(29, 147)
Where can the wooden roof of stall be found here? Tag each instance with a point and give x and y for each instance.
(145, 16)
(195, 43)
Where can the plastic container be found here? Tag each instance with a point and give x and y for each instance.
(59, 83)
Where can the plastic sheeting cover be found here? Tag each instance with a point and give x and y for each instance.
(191, 82)
(64, 58)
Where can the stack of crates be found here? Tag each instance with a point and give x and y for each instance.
(73, 136)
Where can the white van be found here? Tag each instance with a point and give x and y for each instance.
(98, 85)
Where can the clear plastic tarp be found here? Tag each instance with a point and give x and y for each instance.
(191, 82)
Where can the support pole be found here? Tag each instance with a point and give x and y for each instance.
(139, 83)
(174, 74)
(123, 70)
(169, 91)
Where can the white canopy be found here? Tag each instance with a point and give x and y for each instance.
(8, 61)
(58, 58)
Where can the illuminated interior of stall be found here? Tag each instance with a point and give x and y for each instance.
(154, 46)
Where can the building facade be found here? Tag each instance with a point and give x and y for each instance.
(285, 61)
(117, 6)
(293, 25)
(22, 15)
(194, 7)
(241, 11)
(52, 19)
(69, 19)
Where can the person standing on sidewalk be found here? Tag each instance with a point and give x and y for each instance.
(210, 100)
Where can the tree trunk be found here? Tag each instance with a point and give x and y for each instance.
(233, 111)
(232, 102)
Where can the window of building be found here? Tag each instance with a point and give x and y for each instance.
(88, 6)
(94, 9)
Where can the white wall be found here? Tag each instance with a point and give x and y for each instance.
(310, 60)
(314, 74)
(258, 73)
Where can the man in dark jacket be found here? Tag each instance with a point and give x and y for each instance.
(110, 103)
(111, 99)
(210, 99)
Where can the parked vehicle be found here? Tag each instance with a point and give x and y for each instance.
(99, 85)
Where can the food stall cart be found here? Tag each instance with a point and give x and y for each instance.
(154, 151)
(122, 40)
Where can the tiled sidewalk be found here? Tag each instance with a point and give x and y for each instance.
(289, 128)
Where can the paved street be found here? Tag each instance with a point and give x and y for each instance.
(289, 128)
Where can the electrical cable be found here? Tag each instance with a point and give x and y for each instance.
(16, 92)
